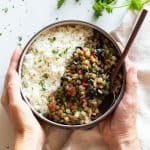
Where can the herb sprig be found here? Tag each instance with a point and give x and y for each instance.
(100, 6)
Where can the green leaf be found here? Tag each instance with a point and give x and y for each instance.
(135, 5)
(98, 9)
(19, 38)
(42, 84)
(52, 39)
(101, 5)
(60, 3)
(5, 10)
(108, 9)
(55, 51)
(45, 75)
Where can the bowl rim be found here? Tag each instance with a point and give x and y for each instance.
(76, 22)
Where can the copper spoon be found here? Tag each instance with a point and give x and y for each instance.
(105, 105)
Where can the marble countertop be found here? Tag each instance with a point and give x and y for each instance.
(21, 19)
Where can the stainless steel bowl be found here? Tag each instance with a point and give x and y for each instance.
(110, 38)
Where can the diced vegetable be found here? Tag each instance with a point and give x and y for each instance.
(84, 86)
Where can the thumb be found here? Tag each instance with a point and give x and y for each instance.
(131, 81)
(14, 89)
(129, 100)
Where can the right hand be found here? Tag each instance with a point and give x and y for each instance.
(120, 127)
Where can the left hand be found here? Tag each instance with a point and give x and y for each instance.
(26, 125)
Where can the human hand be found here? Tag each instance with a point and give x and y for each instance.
(29, 133)
(119, 130)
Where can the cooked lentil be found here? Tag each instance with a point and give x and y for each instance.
(84, 85)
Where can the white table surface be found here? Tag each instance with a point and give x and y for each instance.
(24, 18)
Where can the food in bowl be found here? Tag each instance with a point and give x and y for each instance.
(66, 73)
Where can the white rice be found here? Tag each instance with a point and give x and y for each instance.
(48, 55)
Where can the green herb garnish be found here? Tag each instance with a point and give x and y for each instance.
(39, 60)
(42, 84)
(100, 6)
(60, 55)
(60, 3)
(108, 5)
(66, 50)
(136, 5)
(5, 10)
(45, 75)
(55, 51)
(52, 39)
(19, 38)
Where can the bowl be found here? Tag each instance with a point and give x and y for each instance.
(106, 35)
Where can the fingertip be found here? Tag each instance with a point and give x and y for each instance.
(14, 59)
(16, 54)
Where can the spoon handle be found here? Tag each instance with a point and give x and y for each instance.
(129, 43)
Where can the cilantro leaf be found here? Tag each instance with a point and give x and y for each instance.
(101, 5)
(98, 9)
(109, 8)
(60, 3)
(135, 5)
(52, 39)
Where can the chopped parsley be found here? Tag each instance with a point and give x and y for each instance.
(5, 10)
(45, 75)
(19, 38)
(55, 51)
(39, 60)
(52, 39)
(60, 55)
(66, 50)
(42, 84)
